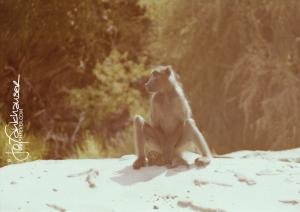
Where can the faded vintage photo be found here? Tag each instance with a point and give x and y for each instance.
(149, 105)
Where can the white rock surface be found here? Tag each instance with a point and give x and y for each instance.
(249, 181)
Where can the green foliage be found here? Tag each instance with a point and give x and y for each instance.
(93, 146)
(90, 148)
(56, 44)
(73, 45)
(36, 147)
(112, 90)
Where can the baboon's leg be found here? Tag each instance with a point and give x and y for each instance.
(156, 138)
(139, 137)
(171, 141)
(144, 133)
(153, 135)
(166, 145)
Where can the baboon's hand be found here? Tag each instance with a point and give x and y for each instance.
(202, 162)
(140, 162)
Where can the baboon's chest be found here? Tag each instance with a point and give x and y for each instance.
(165, 114)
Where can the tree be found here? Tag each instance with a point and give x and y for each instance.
(241, 68)
(55, 46)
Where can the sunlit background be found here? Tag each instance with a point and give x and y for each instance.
(83, 65)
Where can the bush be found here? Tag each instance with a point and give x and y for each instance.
(111, 95)
(73, 45)
(111, 92)
(36, 147)
(93, 146)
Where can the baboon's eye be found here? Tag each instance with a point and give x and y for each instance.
(167, 71)
(155, 73)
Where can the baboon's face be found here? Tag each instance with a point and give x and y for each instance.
(158, 80)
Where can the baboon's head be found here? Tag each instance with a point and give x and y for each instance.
(159, 79)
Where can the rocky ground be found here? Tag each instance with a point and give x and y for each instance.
(246, 181)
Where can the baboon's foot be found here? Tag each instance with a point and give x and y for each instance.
(140, 162)
(155, 159)
(177, 161)
(202, 162)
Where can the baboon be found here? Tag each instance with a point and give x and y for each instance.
(171, 126)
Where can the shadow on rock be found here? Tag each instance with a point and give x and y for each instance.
(129, 176)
